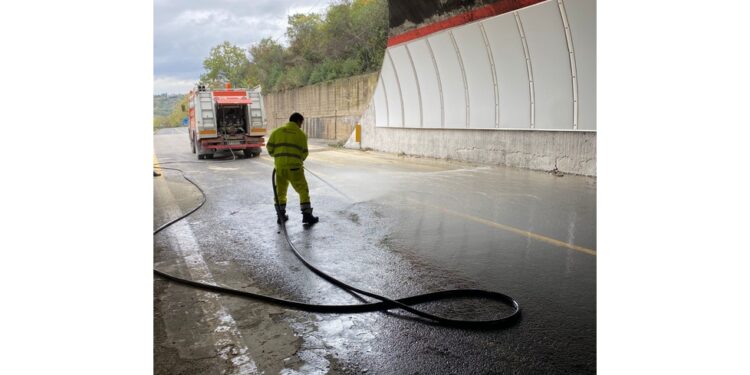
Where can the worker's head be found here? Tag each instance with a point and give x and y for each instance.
(298, 118)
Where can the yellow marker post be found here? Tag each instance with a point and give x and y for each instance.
(358, 133)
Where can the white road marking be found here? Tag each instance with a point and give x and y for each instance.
(227, 337)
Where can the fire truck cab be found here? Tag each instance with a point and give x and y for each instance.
(228, 119)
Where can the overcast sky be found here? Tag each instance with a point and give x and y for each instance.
(185, 31)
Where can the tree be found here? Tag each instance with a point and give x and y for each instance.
(225, 63)
(269, 59)
(305, 38)
(371, 20)
(339, 30)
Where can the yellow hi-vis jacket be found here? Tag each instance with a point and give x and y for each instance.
(288, 146)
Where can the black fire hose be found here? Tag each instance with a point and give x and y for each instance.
(385, 303)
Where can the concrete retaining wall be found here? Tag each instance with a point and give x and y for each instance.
(331, 109)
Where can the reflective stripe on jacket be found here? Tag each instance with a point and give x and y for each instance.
(288, 146)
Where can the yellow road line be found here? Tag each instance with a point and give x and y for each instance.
(508, 228)
(156, 163)
(493, 224)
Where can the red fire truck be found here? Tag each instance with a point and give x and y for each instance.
(229, 119)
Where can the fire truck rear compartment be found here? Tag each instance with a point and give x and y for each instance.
(231, 120)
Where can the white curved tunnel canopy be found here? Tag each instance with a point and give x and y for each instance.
(532, 68)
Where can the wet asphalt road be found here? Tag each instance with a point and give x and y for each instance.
(402, 226)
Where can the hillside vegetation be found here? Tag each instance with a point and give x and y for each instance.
(168, 110)
(349, 39)
(163, 104)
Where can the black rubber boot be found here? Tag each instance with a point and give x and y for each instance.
(308, 218)
(281, 213)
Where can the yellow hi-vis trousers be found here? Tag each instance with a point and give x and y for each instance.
(295, 176)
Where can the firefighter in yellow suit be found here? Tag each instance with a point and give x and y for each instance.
(288, 146)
